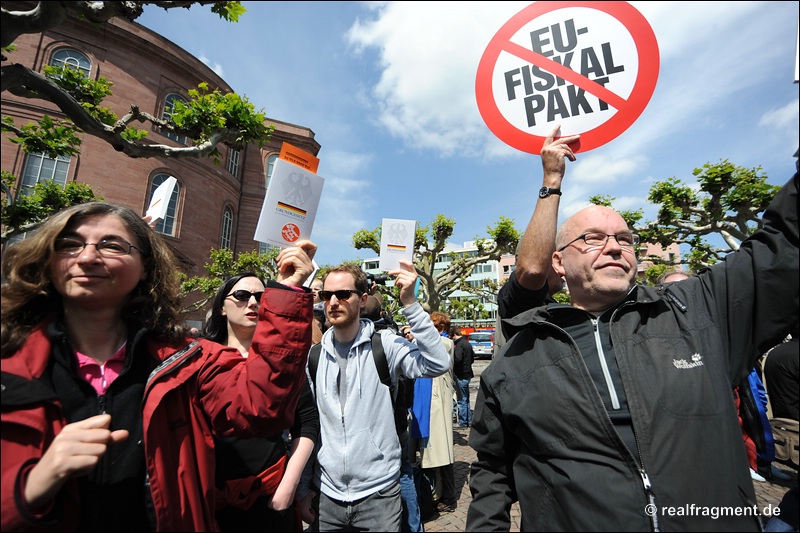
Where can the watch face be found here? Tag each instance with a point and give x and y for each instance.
(544, 192)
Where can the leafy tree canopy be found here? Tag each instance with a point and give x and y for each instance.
(42, 200)
(726, 202)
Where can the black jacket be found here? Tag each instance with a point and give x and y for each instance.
(543, 434)
(463, 356)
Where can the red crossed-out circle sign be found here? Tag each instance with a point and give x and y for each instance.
(290, 232)
(513, 125)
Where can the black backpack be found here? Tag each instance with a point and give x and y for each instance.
(402, 400)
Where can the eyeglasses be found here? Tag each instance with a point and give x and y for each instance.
(106, 247)
(597, 240)
(244, 296)
(341, 295)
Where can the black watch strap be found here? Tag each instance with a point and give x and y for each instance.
(544, 192)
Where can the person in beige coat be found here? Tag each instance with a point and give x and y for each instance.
(437, 454)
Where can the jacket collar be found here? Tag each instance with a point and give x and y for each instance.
(639, 294)
(365, 330)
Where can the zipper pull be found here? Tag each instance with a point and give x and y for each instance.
(651, 509)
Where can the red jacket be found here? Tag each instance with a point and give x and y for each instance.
(198, 389)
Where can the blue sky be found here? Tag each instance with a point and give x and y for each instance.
(389, 90)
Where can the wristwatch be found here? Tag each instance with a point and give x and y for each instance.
(544, 192)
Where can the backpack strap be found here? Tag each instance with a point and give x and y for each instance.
(380, 362)
(377, 354)
(399, 408)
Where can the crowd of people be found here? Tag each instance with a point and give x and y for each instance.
(301, 403)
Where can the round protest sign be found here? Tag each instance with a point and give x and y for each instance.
(589, 66)
(290, 232)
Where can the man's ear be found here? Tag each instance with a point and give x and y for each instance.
(558, 264)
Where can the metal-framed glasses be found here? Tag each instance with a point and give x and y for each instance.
(341, 295)
(244, 296)
(597, 240)
(106, 247)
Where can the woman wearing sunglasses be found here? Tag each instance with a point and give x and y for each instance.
(257, 478)
(108, 406)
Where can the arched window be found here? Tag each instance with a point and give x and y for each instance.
(67, 57)
(167, 224)
(169, 108)
(227, 228)
(270, 167)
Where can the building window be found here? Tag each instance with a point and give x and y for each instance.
(270, 167)
(227, 228)
(167, 224)
(265, 247)
(66, 57)
(40, 168)
(233, 161)
(169, 108)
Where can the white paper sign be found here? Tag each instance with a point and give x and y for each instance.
(160, 201)
(397, 242)
(313, 275)
(290, 205)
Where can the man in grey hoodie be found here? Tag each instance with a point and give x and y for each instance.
(358, 458)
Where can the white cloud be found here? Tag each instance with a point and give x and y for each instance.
(783, 117)
(603, 170)
(216, 67)
(426, 88)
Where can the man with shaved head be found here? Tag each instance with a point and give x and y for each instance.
(615, 412)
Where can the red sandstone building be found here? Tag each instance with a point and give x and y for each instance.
(213, 206)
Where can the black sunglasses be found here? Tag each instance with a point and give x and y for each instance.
(244, 296)
(341, 295)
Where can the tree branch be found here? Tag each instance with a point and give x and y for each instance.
(18, 76)
(47, 15)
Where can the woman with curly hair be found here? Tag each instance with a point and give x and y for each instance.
(108, 406)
